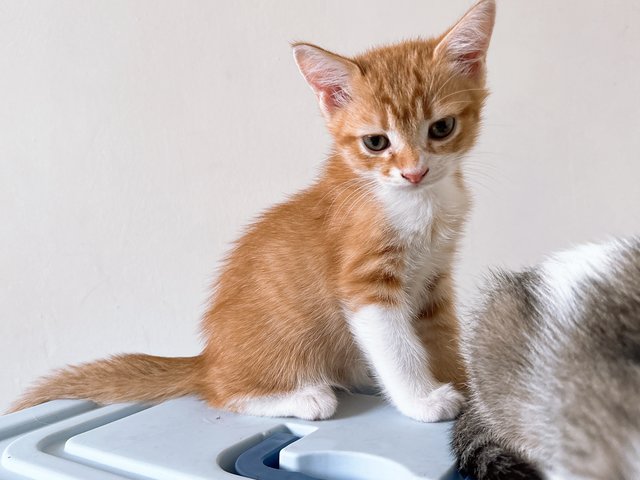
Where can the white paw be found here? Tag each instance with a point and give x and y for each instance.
(443, 403)
(315, 403)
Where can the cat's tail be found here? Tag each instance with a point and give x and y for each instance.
(121, 378)
(482, 456)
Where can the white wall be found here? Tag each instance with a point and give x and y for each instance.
(137, 137)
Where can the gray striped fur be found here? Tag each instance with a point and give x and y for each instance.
(553, 354)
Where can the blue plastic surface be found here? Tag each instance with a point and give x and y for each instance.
(367, 439)
(261, 461)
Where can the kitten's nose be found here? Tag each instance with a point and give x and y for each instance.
(415, 177)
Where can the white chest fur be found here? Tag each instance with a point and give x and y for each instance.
(427, 221)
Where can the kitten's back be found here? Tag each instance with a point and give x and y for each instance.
(554, 364)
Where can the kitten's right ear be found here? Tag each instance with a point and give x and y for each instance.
(330, 76)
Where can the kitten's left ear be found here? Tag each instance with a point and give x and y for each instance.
(329, 75)
(465, 44)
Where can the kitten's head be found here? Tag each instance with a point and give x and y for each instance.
(405, 114)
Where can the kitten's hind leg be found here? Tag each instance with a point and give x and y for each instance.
(314, 402)
(484, 456)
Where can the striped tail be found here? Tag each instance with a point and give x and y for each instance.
(121, 378)
(482, 456)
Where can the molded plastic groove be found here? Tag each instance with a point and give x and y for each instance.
(39, 454)
(19, 423)
(262, 460)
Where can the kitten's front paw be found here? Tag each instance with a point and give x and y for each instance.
(443, 403)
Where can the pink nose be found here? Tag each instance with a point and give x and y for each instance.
(415, 177)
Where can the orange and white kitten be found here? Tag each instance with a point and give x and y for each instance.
(352, 276)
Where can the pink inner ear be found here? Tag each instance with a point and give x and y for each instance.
(327, 74)
(471, 61)
(331, 93)
(333, 96)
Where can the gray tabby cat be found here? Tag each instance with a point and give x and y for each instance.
(553, 356)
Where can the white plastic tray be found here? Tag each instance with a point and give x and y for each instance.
(183, 439)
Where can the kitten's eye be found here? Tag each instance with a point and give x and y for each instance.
(376, 143)
(442, 128)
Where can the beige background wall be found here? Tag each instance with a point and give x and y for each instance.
(138, 137)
